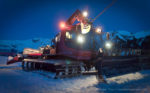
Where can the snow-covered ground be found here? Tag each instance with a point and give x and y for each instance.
(14, 80)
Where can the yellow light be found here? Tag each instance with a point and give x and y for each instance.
(85, 28)
(68, 35)
(85, 13)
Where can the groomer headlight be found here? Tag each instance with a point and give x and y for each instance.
(80, 39)
(108, 45)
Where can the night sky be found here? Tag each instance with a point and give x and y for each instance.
(26, 19)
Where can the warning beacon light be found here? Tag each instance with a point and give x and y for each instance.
(62, 25)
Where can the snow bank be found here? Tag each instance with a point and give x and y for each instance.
(128, 35)
(126, 78)
(142, 34)
(21, 44)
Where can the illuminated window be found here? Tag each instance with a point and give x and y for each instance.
(68, 35)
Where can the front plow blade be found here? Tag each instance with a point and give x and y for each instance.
(12, 60)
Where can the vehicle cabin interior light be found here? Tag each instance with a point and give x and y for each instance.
(68, 35)
(85, 28)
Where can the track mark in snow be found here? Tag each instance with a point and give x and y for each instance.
(126, 78)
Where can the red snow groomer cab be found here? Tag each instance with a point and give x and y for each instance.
(76, 41)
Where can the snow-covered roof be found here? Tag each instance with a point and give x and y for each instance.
(142, 34)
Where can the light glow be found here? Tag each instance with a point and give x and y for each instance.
(68, 35)
(85, 28)
(108, 45)
(80, 39)
(62, 25)
(98, 30)
(85, 13)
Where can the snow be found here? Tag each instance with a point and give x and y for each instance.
(126, 78)
(142, 34)
(126, 33)
(14, 80)
(130, 36)
(19, 45)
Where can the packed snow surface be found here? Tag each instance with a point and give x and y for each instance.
(14, 80)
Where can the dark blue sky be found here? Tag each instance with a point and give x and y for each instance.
(25, 19)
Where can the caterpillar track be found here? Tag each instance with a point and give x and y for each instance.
(110, 66)
(61, 68)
